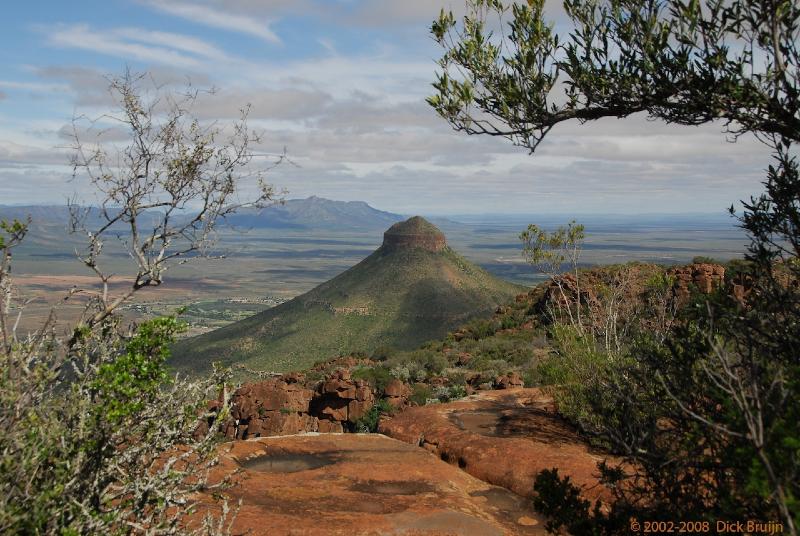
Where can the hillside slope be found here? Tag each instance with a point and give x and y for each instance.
(412, 289)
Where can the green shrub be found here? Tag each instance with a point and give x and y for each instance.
(511, 321)
(378, 376)
(701, 259)
(457, 391)
(420, 393)
(368, 424)
(573, 373)
(560, 501)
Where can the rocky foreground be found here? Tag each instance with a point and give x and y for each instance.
(363, 484)
(462, 468)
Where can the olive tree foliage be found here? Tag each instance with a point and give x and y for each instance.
(97, 437)
(687, 62)
(706, 414)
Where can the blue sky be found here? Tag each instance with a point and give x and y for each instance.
(341, 84)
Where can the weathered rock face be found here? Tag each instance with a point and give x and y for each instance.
(512, 380)
(285, 406)
(416, 232)
(504, 438)
(704, 277)
(277, 406)
(397, 393)
(341, 399)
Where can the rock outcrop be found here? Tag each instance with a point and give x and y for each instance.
(563, 291)
(416, 232)
(701, 276)
(285, 406)
(340, 400)
(512, 380)
(397, 393)
(504, 438)
(278, 406)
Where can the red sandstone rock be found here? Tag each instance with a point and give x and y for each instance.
(272, 407)
(330, 427)
(342, 399)
(502, 437)
(367, 485)
(395, 388)
(463, 359)
(459, 335)
(339, 384)
(512, 380)
(704, 277)
(438, 381)
(284, 405)
(397, 393)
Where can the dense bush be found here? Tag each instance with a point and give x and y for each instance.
(378, 376)
(368, 424)
(420, 393)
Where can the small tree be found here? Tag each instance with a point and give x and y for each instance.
(97, 437)
(549, 251)
(164, 193)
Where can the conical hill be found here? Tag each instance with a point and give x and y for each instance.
(412, 289)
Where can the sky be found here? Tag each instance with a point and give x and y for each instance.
(341, 85)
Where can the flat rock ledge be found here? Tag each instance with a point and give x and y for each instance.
(504, 438)
(362, 484)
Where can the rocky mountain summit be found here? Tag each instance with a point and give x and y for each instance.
(416, 232)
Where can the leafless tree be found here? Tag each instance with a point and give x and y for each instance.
(165, 191)
(97, 437)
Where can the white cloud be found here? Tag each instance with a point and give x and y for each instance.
(192, 45)
(134, 44)
(30, 86)
(217, 18)
(12, 153)
(407, 12)
(287, 104)
(353, 115)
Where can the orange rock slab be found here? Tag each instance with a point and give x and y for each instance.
(502, 437)
(362, 484)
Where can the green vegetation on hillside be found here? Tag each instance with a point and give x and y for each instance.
(395, 298)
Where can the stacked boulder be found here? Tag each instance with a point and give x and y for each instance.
(702, 276)
(512, 380)
(278, 406)
(341, 400)
(286, 406)
(397, 393)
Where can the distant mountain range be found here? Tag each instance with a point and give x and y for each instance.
(315, 213)
(310, 213)
(412, 289)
